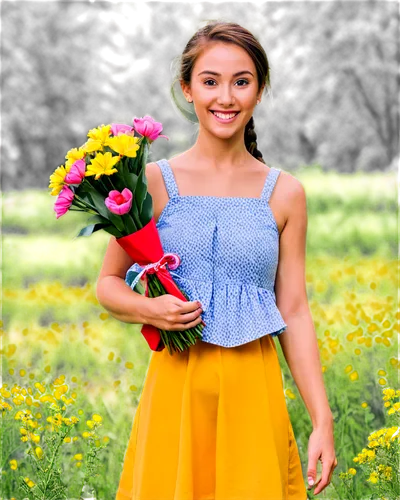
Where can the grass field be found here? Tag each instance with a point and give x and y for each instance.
(52, 325)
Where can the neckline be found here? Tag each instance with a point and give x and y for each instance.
(212, 197)
(266, 206)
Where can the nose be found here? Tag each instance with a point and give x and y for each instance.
(226, 96)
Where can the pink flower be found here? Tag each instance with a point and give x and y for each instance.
(120, 128)
(119, 202)
(148, 127)
(63, 201)
(76, 172)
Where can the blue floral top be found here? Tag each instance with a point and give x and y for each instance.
(229, 249)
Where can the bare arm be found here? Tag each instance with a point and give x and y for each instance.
(299, 341)
(114, 294)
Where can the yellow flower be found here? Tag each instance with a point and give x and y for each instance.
(125, 145)
(13, 464)
(98, 137)
(78, 456)
(97, 418)
(395, 409)
(29, 482)
(5, 406)
(352, 471)
(72, 156)
(353, 375)
(389, 393)
(57, 180)
(373, 478)
(102, 164)
(70, 421)
(39, 452)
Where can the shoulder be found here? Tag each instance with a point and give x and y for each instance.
(291, 188)
(290, 197)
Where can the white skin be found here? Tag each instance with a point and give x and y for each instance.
(222, 145)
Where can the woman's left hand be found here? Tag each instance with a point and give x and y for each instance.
(321, 447)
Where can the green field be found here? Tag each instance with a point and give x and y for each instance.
(52, 325)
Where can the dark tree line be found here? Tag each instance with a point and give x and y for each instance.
(70, 66)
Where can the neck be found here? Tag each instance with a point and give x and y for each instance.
(220, 153)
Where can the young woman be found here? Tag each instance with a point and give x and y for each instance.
(212, 422)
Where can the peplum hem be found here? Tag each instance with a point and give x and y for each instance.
(228, 307)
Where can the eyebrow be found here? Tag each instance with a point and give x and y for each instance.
(219, 74)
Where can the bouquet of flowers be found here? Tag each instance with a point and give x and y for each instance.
(106, 178)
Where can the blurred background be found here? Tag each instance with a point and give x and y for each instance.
(332, 121)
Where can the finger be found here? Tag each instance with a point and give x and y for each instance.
(325, 477)
(312, 470)
(186, 326)
(189, 306)
(190, 316)
(332, 470)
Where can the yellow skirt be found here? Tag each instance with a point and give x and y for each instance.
(212, 424)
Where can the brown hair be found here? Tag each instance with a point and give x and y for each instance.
(230, 33)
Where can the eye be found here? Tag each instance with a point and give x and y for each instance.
(240, 80)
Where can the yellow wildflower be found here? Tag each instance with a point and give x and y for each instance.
(373, 478)
(389, 393)
(352, 471)
(78, 456)
(125, 145)
(354, 375)
(39, 452)
(394, 409)
(97, 418)
(5, 406)
(13, 464)
(102, 164)
(70, 421)
(29, 482)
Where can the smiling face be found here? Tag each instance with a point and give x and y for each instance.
(223, 88)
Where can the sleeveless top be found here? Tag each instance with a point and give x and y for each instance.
(229, 249)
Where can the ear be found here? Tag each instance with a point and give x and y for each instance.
(186, 90)
(261, 92)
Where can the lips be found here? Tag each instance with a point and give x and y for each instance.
(213, 111)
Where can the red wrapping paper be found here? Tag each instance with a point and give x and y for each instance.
(144, 247)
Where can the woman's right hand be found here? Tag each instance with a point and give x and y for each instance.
(167, 312)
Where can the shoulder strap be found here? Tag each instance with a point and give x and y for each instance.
(270, 183)
(169, 177)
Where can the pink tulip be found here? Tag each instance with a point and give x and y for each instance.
(120, 128)
(148, 127)
(63, 201)
(119, 202)
(76, 172)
